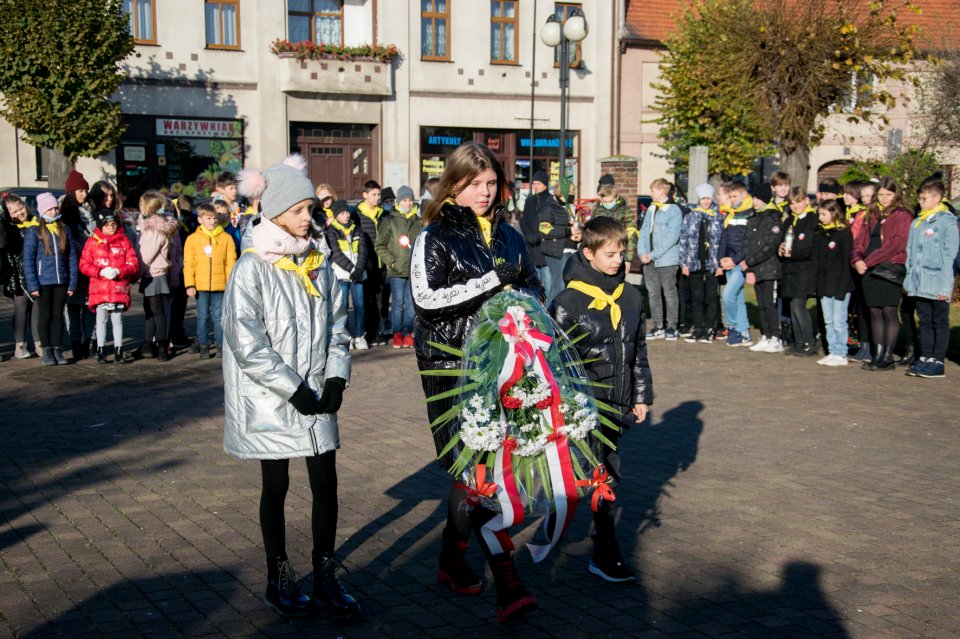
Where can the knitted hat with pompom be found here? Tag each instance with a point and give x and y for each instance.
(279, 187)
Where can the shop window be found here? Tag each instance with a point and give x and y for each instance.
(317, 21)
(143, 20)
(574, 52)
(503, 31)
(435, 29)
(43, 162)
(223, 24)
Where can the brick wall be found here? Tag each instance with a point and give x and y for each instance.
(625, 170)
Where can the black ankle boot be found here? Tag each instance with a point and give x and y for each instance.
(58, 355)
(607, 563)
(101, 355)
(118, 355)
(77, 349)
(885, 361)
(328, 594)
(874, 359)
(513, 600)
(454, 570)
(283, 594)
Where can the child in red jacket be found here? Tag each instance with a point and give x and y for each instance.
(110, 261)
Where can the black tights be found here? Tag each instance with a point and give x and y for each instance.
(322, 470)
(156, 312)
(50, 308)
(885, 324)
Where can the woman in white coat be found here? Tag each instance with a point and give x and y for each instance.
(285, 366)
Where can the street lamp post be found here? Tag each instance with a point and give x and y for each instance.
(556, 33)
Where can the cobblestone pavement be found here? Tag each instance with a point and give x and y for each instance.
(766, 497)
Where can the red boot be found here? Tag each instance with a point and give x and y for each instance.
(513, 600)
(454, 570)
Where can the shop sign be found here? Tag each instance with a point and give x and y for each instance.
(134, 153)
(183, 128)
(444, 140)
(547, 142)
(494, 143)
(432, 167)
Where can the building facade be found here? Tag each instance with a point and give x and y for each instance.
(207, 90)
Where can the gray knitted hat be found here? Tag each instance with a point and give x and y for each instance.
(279, 187)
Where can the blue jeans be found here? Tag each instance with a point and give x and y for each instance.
(357, 291)
(208, 309)
(835, 320)
(734, 302)
(543, 274)
(401, 305)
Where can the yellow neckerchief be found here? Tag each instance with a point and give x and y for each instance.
(373, 214)
(486, 228)
(329, 213)
(659, 205)
(709, 212)
(853, 210)
(313, 261)
(600, 298)
(217, 230)
(407, 216)
(796, 217)
(831, 226)
(346, 230)
(940, 208)
(731, 212)
(345, 244)
(53, 227)
(28, 224)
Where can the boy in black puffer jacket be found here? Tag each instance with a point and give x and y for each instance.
(597, 301)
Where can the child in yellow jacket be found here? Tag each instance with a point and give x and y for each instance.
(208, 258)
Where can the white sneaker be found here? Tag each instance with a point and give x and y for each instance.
(774, 345)
(823, 360)
(360, 343)
(836, 360)
(761, 345)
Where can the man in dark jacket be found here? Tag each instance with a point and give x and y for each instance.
(555, 230)
(530, 225)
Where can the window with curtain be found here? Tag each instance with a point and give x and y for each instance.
(143, 20)
(317, 21)
(503, 31)
(223, 24)
(435, 29)
(563, 11)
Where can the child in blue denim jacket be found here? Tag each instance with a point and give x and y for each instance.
(659, 249)
(700, 262)
(931, 250)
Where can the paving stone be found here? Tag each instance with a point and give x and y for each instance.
(764, 498)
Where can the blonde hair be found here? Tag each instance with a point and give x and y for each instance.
(151, 203)
(465, 163)
(326, 187)
(660, 183)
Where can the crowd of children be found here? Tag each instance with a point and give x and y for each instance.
(867, 256)
(859, 251)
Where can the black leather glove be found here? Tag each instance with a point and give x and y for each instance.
(508, 273)
(332, 395)
(357, 275)
(305, 400)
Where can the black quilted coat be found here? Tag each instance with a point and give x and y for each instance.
(451, 272)
(620, 354)
(14, 282)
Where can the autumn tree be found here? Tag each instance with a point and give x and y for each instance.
(59, 66)
(765, 71)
